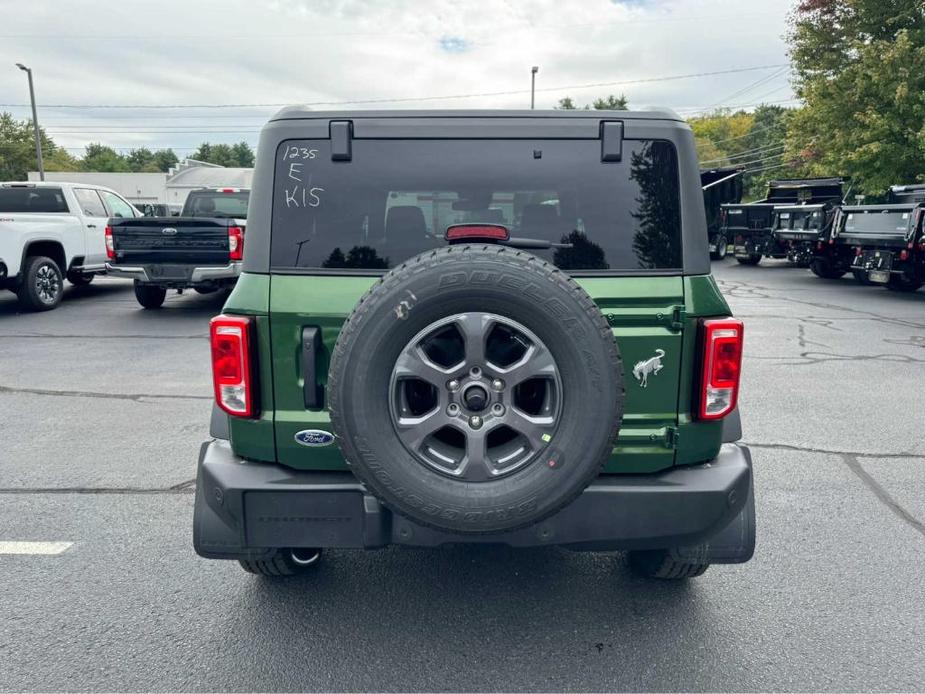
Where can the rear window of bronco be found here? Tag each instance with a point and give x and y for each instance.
(396, 198)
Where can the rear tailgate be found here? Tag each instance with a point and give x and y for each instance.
(646, 314)
(878, 225)
(171, 240)
(745, 219)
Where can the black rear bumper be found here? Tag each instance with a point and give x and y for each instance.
(245, 510)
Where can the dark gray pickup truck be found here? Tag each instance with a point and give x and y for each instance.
(201, 249)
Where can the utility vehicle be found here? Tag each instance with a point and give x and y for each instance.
(476, 327)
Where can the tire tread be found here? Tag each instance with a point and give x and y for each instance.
(459, 253)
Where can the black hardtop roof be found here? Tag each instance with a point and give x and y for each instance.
(304, 112)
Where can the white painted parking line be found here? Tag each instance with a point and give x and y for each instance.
(33, 547)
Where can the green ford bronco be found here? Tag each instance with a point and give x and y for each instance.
(476, 327)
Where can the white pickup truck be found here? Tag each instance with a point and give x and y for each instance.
(49, 231)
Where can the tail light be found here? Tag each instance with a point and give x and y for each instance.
(110, 247)
(722, 217)
(231, 365)
(904, 254)
(477, 232)
(722, 365)
(857, 252)
(235, 243)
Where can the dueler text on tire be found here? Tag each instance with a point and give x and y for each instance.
(476, 389)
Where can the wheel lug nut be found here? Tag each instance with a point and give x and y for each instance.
(497, 384)
(453, 385)
(475, 372)
(475, 421)
(452, 409)
(497, 409)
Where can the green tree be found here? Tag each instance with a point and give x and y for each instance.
(611, 103)
(17, 150)
(238, 155)
(141, 159)
(99, 157)
(165, 159)
(607, 103)
(860, 68)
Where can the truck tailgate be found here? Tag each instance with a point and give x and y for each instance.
(181, 241)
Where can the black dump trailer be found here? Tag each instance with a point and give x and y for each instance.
(751, 226)
(720, 187)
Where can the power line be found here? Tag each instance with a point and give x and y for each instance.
(757, 83)
(747, 153)
(408, 99)
(694, 111)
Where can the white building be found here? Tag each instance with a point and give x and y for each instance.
(169, 188)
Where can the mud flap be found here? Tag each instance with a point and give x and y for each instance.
(735, 544)
(213, 537)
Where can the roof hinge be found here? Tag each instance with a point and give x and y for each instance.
(341, 133)
(678, 317)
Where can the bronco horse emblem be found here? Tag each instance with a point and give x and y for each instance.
(652, 365)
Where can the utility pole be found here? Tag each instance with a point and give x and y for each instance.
(533, 70)
(35, 122)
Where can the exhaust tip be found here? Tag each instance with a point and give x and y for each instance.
(305, 556)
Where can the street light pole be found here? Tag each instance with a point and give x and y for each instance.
(533, 70)
(35, 122)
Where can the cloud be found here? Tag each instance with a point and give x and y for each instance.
(174, 52)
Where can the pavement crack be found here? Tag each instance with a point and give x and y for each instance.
(882, 494)
(828, 451)
(134, 397)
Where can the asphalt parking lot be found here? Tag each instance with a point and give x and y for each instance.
(102, 410)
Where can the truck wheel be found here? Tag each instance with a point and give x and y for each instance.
(42, 285)
(657, 563)
(901, 283)
(78, 279)
(149, 296)
(826, 270)
(476, 389)
(721, 247)
(750, 260)
(861, 277)
(283, 562)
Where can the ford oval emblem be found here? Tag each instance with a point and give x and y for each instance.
(314, 437)
(169, 231)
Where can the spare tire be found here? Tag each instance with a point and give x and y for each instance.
(476, 389)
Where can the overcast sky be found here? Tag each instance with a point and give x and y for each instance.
(89, 53)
